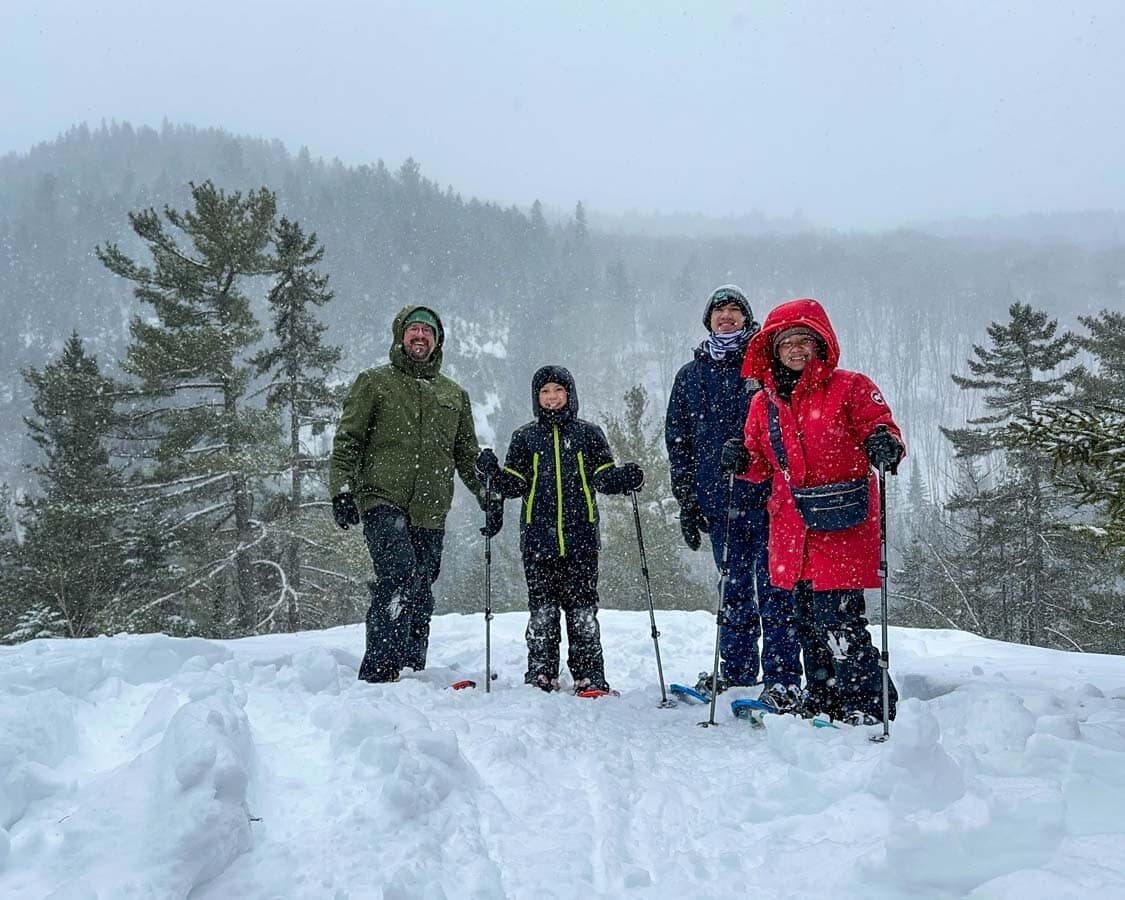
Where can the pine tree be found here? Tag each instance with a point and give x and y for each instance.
(298, 364)
(1013, 509)
(201, 445)
(622, 306)
(72, 559)
(11, 603)
(1085, 433)
(920, 586)
(576, 282)
(633, 438)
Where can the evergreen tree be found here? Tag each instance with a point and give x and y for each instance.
(11, 604)
(633, 438)
(1014, 542)
(72, 561)
(298, 364)
(1085, 433)
(1106, 342)
(202, 446)
(574, 295)
(975, 548)
(621, 306)
(920, 585)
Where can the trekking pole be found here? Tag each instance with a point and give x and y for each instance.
(665, 703)
(724, 570)
(487, 591)
(884, 657)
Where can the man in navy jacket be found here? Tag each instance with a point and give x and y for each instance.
(708, 405)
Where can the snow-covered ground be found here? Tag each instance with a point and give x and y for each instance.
(153, 767)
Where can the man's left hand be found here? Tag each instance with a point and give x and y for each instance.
(493, 517)
(734, 458)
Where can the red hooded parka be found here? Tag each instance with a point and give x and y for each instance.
(830, 414)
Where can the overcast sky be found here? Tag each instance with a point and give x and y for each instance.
(856, 114)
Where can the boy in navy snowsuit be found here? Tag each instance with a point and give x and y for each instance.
(707, 406)
(556, 464)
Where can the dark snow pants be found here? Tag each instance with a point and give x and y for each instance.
(841, 663)
(754, 608)
(569, 583)
(406, 561)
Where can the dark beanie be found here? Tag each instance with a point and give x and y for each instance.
(721, 296)
(560, 376)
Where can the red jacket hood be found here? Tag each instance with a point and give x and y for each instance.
(806, 312)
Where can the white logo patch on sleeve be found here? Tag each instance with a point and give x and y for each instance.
(878, 398)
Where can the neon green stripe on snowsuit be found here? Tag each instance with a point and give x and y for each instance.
(534, 482)
(514, 472)
(558, 489)
(603, 467)
(585, 486)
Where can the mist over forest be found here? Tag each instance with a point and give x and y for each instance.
(617, 299)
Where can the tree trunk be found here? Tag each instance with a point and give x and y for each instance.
(292, 560)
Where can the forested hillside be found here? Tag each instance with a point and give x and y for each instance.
(520, 287)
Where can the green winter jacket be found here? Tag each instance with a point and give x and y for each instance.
(403, 430)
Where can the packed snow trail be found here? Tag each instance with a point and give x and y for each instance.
(153, 767)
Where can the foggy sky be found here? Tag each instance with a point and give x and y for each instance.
(857, 114)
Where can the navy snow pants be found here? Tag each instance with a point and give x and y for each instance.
(754, 608)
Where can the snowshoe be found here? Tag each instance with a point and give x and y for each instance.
(755, 712)
(469, 683)
(783, 698)
(585, 687)
(691, 695)
(857, 717)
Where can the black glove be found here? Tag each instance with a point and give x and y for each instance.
(632, 477)
(734, 458)
(692, 522)
(344, 510)
(493, 515)
(487, 465)
(884, 448)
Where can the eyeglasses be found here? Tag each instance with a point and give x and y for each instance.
(802, 341)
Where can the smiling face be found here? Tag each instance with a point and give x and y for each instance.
(727, 318)
(418, 341)
(796, 351)
(552, 396)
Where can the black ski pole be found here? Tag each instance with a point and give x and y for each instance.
(724, 570)
(487, 589)
(665, 703)
(884, 656)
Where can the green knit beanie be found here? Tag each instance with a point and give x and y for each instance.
(423, 315)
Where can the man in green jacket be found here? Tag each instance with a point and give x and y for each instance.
(404, 429)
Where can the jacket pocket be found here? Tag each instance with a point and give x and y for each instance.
(446, 419)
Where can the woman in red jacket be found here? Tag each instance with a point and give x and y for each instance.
(825, 431)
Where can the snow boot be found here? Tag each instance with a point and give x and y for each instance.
(544, 683)
(859, 717)
(784, 698)
(590, 684)
(703, 685)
